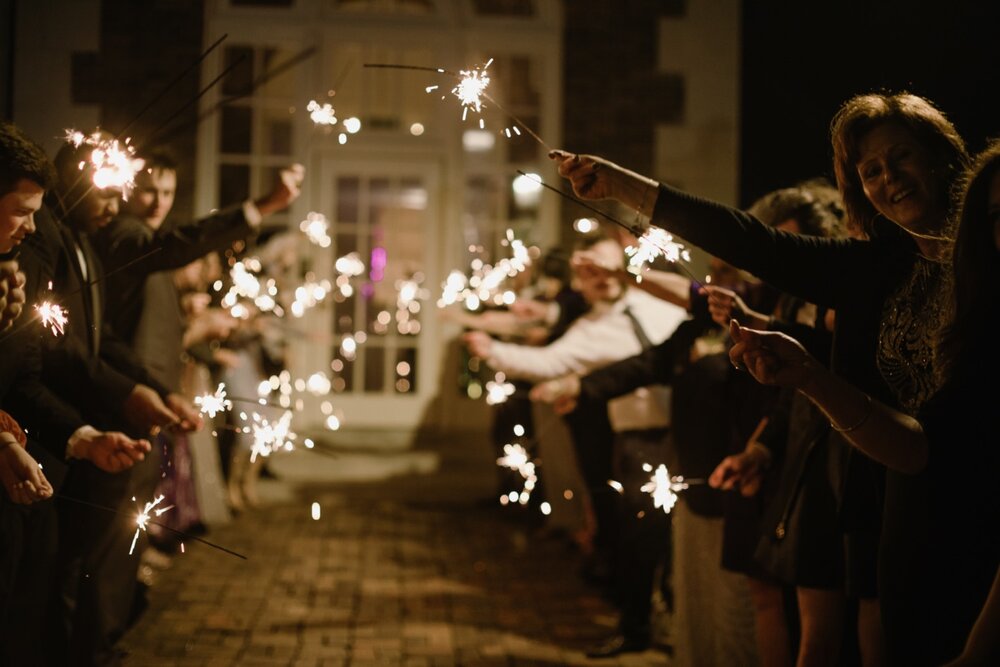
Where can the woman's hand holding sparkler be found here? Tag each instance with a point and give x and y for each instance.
(744, 470)
(20, 474)
(479, 343)
(285, 191)
(147, 411)
(110, 451)
(725, 305)
(593, 177)
(771, 358)
(561, 393)
(189, 418)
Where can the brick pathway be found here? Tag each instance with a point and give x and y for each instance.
(407, 570)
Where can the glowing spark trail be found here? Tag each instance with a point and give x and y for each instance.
(315, 228)
(212, 404)
(655, 242)
(114, 163)
(321, 114)
(471, 88)
(499, 390)
(52, 316)
(662, 487)
(142, 518)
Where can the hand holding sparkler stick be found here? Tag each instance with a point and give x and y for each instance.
(285, 191)
(653, 241)
(110, 451)
(20, 474)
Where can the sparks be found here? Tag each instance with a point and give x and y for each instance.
(52, 316)
(142, 518)
(655, 242)
(498, 390)
(315, 228)
(212, 404)
(516, 458)
(114, 162)
(269, 437)
(471, 88)
(663, 488)
(321, 114)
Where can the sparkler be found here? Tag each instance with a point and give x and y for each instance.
(270, 436)
(113, 162)
(321, 114)
(148, 521)
(52, 316)
(649, 241)
(498, 390)
(470, 91)
(315, 228)
(142, 518)
(654, 242)
(516, 458)
(484, 284)
(212, 404)
(663, 486)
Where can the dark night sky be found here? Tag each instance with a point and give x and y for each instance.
(803, 59)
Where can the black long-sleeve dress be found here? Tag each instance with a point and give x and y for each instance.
(889, 304)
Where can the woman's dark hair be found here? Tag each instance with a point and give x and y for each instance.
(918, 116)
(976, 269)
(20, 157)
(815, 205)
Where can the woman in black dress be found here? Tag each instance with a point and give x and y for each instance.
(896, 158)
(940, 553)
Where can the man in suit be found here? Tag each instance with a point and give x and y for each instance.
(143, 303)
(110, 385)
(56, 428)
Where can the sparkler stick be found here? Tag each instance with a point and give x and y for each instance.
(172, 83)
(149, 522)
(633, 229)
(295, 60)
(149, 105)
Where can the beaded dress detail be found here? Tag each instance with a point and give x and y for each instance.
(910, 323)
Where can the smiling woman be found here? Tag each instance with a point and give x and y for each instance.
(896, 158)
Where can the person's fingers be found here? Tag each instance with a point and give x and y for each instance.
(719, 474)
(559, 154)
(735, 331)
(751, 486)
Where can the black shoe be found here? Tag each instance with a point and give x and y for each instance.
(617, 645)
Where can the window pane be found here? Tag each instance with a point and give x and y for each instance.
(276, 132)
(347, 188)
(374, 369)
(406, 371)
(234, 183)
(480, 220)
(238, 81)
(278, 76)
(235, 130)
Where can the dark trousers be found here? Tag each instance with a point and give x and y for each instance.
(96, 571)
(593, 443)
(28, 539)
(644, 531)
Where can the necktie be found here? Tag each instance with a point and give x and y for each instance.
(90, 275)
(640, 334)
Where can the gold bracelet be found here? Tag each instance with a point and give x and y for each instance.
(861, 422)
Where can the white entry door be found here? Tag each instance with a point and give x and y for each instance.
(383, 343)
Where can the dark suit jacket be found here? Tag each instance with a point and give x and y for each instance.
(88, 368)
(128, 238)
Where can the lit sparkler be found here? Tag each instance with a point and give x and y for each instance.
(321, 114)
(484, 285)
(114, 163)
(653, 243)
(498, 390)
(269, 436)
(212, 404)
(142, 518)
(663, 487)
(315, 227)
(52, 316)
(517, 458)
(471, 88)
